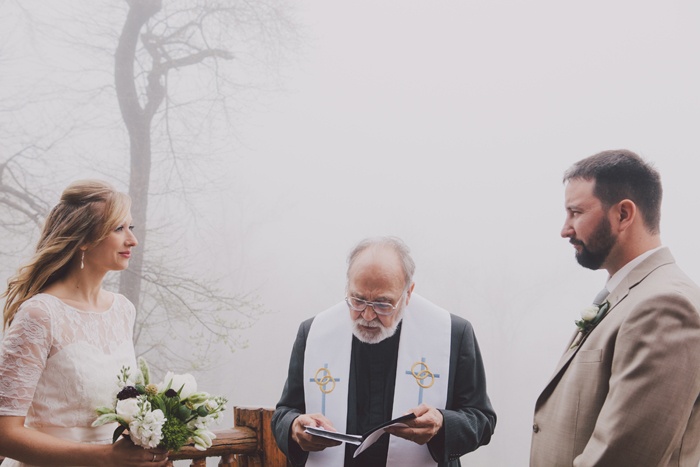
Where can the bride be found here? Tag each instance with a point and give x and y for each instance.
(66, 338)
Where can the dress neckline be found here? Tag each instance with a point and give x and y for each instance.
(91, 312)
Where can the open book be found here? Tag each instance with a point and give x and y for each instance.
(363, 441)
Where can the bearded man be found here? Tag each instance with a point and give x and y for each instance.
(626, 392)
(383, 352)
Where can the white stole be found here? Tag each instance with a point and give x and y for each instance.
(422, 374)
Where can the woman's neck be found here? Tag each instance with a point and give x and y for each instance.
(81, 289)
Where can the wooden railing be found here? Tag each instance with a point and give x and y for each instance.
(248, 444)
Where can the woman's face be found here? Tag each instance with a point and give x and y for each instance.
(113, 253)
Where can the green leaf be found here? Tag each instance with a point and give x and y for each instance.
(105, 418)
(104, 410)
(117, 433)
(145, 371)
(122, 422)
(157, 402)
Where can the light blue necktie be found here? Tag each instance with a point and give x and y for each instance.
(600, 298)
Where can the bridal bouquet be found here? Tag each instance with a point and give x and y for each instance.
(168, 414)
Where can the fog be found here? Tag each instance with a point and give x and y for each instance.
(448, 125)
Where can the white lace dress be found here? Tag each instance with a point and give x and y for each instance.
(57, 364)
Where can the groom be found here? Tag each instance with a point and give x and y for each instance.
(626, 392)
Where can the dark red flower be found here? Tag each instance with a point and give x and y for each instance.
(127, 392)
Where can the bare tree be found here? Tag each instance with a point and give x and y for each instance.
(174, 46)
(174, 81)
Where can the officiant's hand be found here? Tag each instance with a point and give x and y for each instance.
(421, 429)
(307, 441)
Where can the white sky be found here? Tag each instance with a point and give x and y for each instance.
(449, 124)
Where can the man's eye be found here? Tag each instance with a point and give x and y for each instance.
(383, 306)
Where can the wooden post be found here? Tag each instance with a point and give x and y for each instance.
(228, 460)
(258, 419)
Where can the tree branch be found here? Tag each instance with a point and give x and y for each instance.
(196, 58)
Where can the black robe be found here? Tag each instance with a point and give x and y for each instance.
(372, 380)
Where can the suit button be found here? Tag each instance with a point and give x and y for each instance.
(535, 428)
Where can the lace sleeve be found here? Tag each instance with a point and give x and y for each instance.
(25, 348)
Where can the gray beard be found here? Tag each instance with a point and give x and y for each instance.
(384, 332)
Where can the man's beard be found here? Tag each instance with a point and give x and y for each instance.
(384, 332)
(593, 255)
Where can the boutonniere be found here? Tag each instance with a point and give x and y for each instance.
(590, 317)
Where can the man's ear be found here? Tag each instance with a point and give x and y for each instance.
(626, 213)
(409, 292)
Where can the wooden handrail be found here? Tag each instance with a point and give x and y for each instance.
(249, 443)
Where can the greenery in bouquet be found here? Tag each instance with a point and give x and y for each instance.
(169, 414)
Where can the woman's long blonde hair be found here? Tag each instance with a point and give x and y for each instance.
(88, 211)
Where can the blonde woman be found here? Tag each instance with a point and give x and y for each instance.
(66, 338)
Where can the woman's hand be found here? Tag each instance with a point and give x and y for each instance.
(125, 453)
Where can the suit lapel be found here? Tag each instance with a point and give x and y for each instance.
(569, 352)
(634, 278)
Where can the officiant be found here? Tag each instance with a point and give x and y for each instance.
(382, 352)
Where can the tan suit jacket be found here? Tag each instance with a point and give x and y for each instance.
(628, 395)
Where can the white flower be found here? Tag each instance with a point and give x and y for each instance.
(203, 439)
(589, 313)
(186, 382)
(197, 398)
(147, 431)
(212, 405)
(129, 409)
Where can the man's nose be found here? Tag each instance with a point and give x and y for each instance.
(567, 230)
(371, 314)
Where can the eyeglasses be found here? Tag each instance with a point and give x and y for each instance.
(380, 308)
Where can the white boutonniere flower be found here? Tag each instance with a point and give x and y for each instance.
(590, 317)
(588, 314)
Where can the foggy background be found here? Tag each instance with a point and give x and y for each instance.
(448, 124)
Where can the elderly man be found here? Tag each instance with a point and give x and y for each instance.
(381, 353)
(626, 392)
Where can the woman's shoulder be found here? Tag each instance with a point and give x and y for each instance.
(37, 309)
(121, 300)
(40, 303)
(123, 303)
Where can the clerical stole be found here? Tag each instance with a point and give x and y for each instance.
(422, 374)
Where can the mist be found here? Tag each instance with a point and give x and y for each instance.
(448, 125)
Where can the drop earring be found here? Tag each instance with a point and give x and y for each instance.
(82, 261)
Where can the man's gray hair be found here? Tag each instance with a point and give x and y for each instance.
(401, 249)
